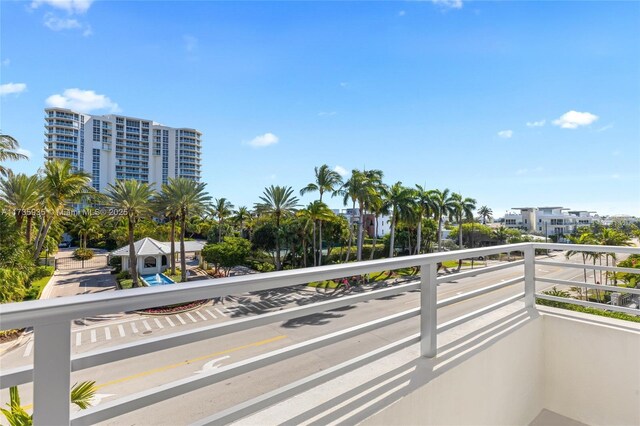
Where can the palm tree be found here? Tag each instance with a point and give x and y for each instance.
(22, 194)
(85, 225)
(378, 205)
(327, 180)
(316, 212)
(9, 147)
(443, 206)
(463, 210)
(61, 187)
(612, 237)
(352, 190)
(371, 185)
(485, 213)
(277, 201)
(133, 198)
(190, 198)
(166, 204)
(425, 207)
(401, 201)
(583, 238)
(242, 215)
(221, 209)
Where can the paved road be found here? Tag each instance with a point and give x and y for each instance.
(128, 376)
(79, 281)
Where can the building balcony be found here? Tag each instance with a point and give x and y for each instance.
(471, 347)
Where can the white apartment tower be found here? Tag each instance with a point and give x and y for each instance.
(113, 147)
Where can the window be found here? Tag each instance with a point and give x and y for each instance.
(149, 262)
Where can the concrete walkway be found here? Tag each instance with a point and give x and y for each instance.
(79, 281)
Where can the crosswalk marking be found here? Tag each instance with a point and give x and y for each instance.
(220, 312)
(157, 321)
(146, 325)
(211, 313)
(133, 327)
(121, 330)
(94, 338)
(201, 316)
(107, 333)
(78, 339)
(261, 304)
(27, 350)
(191, 317)
(180, 319)
(170, 322)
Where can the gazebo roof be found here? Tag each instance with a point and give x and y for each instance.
(150, 247)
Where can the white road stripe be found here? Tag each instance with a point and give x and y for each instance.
(27, 350)
(158, 323)
(170, 322)
(146, 325)
(134, 328)
(261, 304)
(211, 313)
(121, 330)
(107, 333)
(201, 316)
(78, 339)
(94, 338)
(220, 312)
(191, 317)
(180, 319)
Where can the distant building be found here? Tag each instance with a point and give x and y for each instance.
(353, 215)
(113, 147)
(549, 220)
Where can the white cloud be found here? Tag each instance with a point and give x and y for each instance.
(6, 62)
(326, 113)
(264, 140)
(340, 170)
(58, 24)
(70, 6)
(604, 128)
(505, 134)
(190, 43)
(448, 4)
(10, 88)
(24, 152)
(402, 13)
(575, 119)
(536, 123)
(82, 100)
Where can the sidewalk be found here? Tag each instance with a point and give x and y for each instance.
(79, 281)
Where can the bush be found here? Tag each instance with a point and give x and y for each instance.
(116, 263)
(589, 310)
(82, 254)
(123, 275)
(41, 272)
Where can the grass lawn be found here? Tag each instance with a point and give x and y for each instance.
(40, 284)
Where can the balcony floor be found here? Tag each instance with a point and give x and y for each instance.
(549, 418)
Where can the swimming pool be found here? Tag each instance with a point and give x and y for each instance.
(157, 279)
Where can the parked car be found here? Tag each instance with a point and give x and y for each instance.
(64, 244)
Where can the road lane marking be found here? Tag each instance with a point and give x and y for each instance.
(78, 339)
(191, 317)
(94, 337)
(201, 316)
(27, 350)
(134, 328)
(146, 325)
(107, 333)
(261, 305)
(220, 312)
(158, 323)
(121, 330)
(189, 361)
(170, 322)
(213, 364)
(180, 319)
(211, 313)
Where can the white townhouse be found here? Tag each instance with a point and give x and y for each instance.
(549, 220)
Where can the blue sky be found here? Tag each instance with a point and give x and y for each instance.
(512, 103)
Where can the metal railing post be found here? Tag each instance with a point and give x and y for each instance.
(51, 374)
(529, 276)
(428, 310)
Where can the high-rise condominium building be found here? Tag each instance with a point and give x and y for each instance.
(112, 147)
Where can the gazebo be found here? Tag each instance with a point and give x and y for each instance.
(153, 256)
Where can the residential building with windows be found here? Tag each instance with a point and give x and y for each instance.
(370, 225)
(113, 147)
(549, 220)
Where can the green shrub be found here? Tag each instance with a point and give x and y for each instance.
(41, 272)
(116, 263)
(123, 275)
(589, 310)
(82, 254)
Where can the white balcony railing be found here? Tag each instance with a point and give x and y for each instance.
(51, 322)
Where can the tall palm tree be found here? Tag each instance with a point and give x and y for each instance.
(327, 180)
(371, 185)
(485, 213)
(241, 216)
(401, 201)
(278, 202)
(612, 237)
(425, 207)
(22, 194)
(378, 205)
(316, 212)
(352, 190)
(9, 147)
(85, 225)
(583, 238)
(462, 210)
(134, 199)
(221, 209)
(190, 198)
(166, 204)
(443, 207)
(61, 187)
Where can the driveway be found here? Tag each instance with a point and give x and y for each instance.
(79, 281)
